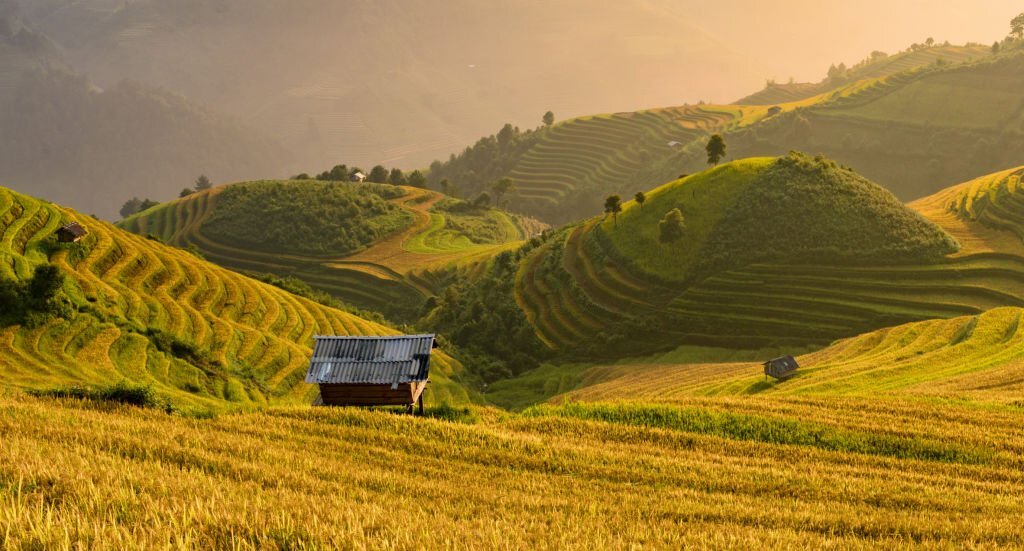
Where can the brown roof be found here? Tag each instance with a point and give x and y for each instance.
(74, 229)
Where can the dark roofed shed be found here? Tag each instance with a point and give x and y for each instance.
(71, 233)
(371, 371)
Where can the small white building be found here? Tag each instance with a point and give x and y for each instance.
(358, 177)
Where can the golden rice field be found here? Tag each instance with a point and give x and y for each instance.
(733, 472)
(126, 286)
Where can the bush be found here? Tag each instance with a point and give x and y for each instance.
(121, 393)
(309, 217)
(671, 226)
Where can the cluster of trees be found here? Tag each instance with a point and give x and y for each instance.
(136, 205)
(481, 316)
(33, 302)
(379, 174)
(811, 209)
(202, 184)
(333, 219)
(486, 162)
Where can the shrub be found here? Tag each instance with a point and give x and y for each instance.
(671, 227)
(120, 393)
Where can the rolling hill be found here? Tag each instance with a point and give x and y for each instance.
(776, 253)
(398, 242)
(203, 336)
(915, 123)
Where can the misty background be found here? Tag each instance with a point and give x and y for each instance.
(101, 100)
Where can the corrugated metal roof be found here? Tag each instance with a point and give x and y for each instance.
(370, 360)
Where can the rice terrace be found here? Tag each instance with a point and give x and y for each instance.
(664, 318)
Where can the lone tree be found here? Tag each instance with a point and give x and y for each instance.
(500, 188)
(549, 118)
(613, 206)
(640, 199)
(417, 179)
(130, 207)
(671, 227)
(396, 177)
(203, 183)
(1017, 27)
(716, 149)
(378, 174)
(483, 200)
(186, 192)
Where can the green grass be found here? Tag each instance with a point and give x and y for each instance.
(201, 336)
(433, 232)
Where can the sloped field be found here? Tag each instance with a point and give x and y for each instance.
(606, 291)
(706, 472)
(386, 275)
(252, 340)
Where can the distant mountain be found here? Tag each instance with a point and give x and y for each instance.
(400, 83)
(65, 138)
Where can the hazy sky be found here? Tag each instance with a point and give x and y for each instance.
(800, 38)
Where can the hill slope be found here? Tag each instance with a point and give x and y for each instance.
(753, 472)
(374, 246)
(142, 311)
(833, 256)
(911, 122)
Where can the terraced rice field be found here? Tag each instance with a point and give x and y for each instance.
(584, 290)
(387, 276)
(126, 285)
(596, 154)
(720, 472)
(977, 358)
(786, 93)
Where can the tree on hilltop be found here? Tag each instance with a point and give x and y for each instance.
(378, 174)
(613, 206)
(131, 207)
(1017, 27)
(548, 119)
(640, 199)
(396, 177)
(186, 192)
(671, 227)
(716, 149)
(417, 179)
(203, 183)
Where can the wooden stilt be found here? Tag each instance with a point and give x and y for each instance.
(421, 404)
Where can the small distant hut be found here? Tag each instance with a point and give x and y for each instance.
(774, 110)
(358, 177)
(372, 371)
(71, 233)
(781, 368)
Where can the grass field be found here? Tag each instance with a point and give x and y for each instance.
(253, 339)
(768, 471)
(386, 275)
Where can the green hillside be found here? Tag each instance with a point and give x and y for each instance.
(875, 66)
(915, 123)
(776, 253)
(913, 132)
(378, 247)
(140, 311)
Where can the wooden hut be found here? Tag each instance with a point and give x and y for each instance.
(71, 233)
(371, 371)
(780, 368)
